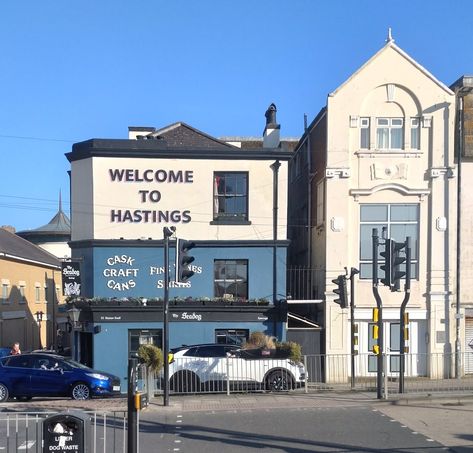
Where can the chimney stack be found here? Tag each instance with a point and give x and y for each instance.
(271, 134)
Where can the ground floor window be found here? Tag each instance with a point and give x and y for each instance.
(392, 331)
(137, 337)
(231, 336)
(398, 221)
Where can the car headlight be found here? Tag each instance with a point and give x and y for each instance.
(102, 377)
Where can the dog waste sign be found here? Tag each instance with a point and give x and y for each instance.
(66, 432)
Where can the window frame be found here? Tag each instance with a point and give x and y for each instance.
(389, 223)
(221, 198)
(390, 127)
(5, 293)
(415, 129)
(365, 126)
(244, 282)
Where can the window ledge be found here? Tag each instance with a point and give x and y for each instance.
(230, 222)
(389, 152)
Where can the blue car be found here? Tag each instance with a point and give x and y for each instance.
(25, 376)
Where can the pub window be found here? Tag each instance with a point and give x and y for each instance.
(231, 279)
(230, 196)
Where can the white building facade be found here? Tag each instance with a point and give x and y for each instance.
(381, 155)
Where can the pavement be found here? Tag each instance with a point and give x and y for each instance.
(241, 401)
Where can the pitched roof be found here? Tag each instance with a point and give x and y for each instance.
(182, 135)
(15, 247)
(390, 45)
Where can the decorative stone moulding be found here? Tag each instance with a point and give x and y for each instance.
(337, 224)
(394, 171)
(426, 121)
(441, 223)
(436, 172)
(337, 172)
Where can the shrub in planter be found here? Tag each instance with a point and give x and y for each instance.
(259, 340)
(290, 349)
(152, 356)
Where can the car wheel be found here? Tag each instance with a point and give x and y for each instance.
(3, 392)
(279, 381)
(185, 383)
(80, 392)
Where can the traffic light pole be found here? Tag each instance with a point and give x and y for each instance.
(379, 304)
(402, 319)
(353, 272)
(167, 233)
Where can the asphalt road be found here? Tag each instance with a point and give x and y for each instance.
(327, 429)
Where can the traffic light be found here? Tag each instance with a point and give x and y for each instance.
(397, 260)
(341, 291)
(387, 266)
(183, 259)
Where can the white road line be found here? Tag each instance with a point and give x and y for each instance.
(26, 446)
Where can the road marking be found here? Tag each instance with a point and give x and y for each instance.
(26, 445)
(177, 441)
(178, 421)
(430, 440)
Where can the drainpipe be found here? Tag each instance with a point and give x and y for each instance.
(275, 167)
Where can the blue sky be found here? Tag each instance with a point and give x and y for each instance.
(74, 70)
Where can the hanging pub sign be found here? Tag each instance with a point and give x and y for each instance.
(71, 278)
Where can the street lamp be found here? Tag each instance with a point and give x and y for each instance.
(39, 318)
(74, 314)
(462, 87)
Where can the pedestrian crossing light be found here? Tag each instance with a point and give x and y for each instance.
(183, 259)
(341, 291)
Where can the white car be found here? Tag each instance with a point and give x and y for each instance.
(213, 367)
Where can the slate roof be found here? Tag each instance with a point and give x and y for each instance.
(182, 135)
(14, 247)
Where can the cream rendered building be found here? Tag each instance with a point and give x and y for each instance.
(381, 154)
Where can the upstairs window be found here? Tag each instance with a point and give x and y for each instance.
(415, 133)
(5, 293)
(230, 196)
(364, 133)
(389, 133)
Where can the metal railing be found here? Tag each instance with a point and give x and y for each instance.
(423, 372)
(232, 374)
(21, 431)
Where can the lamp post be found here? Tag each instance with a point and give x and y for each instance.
(39, 318)
(73, 315)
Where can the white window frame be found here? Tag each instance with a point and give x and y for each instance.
(390, 126)
(415, 129)
(389, 223)
(365, 130)
(5, 292)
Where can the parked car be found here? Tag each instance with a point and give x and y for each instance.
(214, 366)
(25, 376)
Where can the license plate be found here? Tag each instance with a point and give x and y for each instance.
(116, 388)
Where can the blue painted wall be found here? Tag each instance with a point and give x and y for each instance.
(141, 274)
